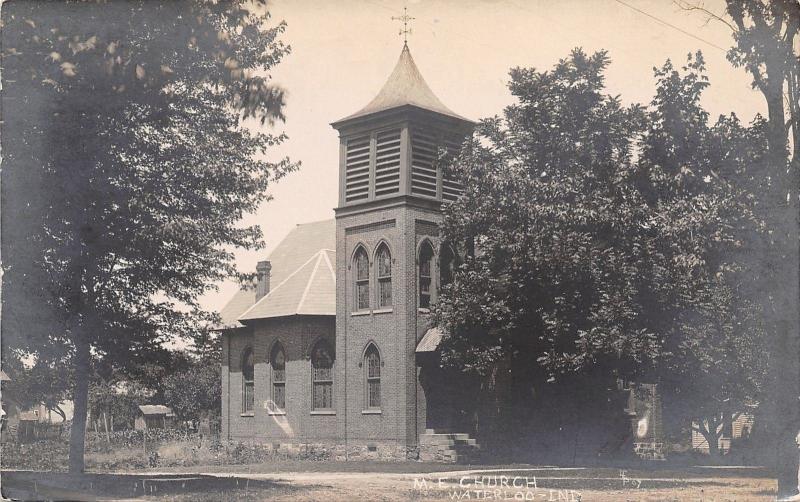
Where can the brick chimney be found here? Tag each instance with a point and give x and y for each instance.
(262, 285)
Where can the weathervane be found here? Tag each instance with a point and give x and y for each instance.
(405, 18)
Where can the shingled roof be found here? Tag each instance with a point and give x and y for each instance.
(405, 86)
(155, 409)
(430, 342)
(302, 278)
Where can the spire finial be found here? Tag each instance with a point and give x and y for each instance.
(405, 18)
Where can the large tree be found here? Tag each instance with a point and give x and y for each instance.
(766, 38)
(127, 168)
(605, 237)
(767, 44)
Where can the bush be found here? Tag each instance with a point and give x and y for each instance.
(164, 448)
(43, 455)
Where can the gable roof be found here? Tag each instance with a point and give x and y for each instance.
(28, 416)
(430, 342)
(302, 278)
(155, 409)
(405, 86)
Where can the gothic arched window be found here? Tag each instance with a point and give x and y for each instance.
(248, 387)
(277, 361)
(384, 276)
(372, 374)
(424, 279)
(322, 376)
(361, 262)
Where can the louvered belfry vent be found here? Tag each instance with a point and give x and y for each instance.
(357, 168)
(387, 162)
(451, 188)
(424, 151)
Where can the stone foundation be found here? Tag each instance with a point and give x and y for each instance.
(649, 451)
(446, 447)
(387, 452)
(374, 451)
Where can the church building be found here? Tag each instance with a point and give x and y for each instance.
(333, 348)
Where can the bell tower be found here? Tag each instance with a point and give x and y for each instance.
(390, 195)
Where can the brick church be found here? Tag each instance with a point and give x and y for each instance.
(333, 348)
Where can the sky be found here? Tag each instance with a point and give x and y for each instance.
(343, 51)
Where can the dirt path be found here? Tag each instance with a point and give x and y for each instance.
(532, 484)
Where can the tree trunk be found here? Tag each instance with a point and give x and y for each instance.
(77, 436)
(711, 437)
(782, 415)
(783, 398)
(105, 424)
(61, 413)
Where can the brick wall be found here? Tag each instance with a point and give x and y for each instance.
(297, 423)
(394, 331)
(233, 424)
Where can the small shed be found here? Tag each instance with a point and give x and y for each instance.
(154, 416)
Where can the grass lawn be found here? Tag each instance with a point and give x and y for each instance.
(340, 481)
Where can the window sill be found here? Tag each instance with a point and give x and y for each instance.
(323, 412)
(385, 310)
(276, 413)
(360, 312)
(374, 411)
(423, 310)
(248, 414)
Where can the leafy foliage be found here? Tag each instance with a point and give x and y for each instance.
(44, 382)
(195, 393)
(605, 237)
(129, 166)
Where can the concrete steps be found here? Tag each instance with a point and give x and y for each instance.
(437, 445)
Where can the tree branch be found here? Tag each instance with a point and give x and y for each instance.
(689, 7)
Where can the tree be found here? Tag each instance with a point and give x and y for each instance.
(766, 38)
(116, 402)
(604, 236)
(44, 382)
(195, 393)
(127, 167)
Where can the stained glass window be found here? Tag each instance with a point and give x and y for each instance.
(384, 277)
(322, 376)
(278, 363)
(372, 364)
(248, 388)
(425, 261)
(362, 279)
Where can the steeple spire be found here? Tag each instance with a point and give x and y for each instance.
(405, 86)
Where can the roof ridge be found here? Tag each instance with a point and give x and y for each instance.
(320, 254)
(326, 220)
(330, 266)
(272, 290)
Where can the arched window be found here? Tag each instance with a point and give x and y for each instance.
(372, 374)
(446, 265)
(425, 262)
(362, 279)
(384, 276)
(248, 388)
(322, 376)
(277, 361)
